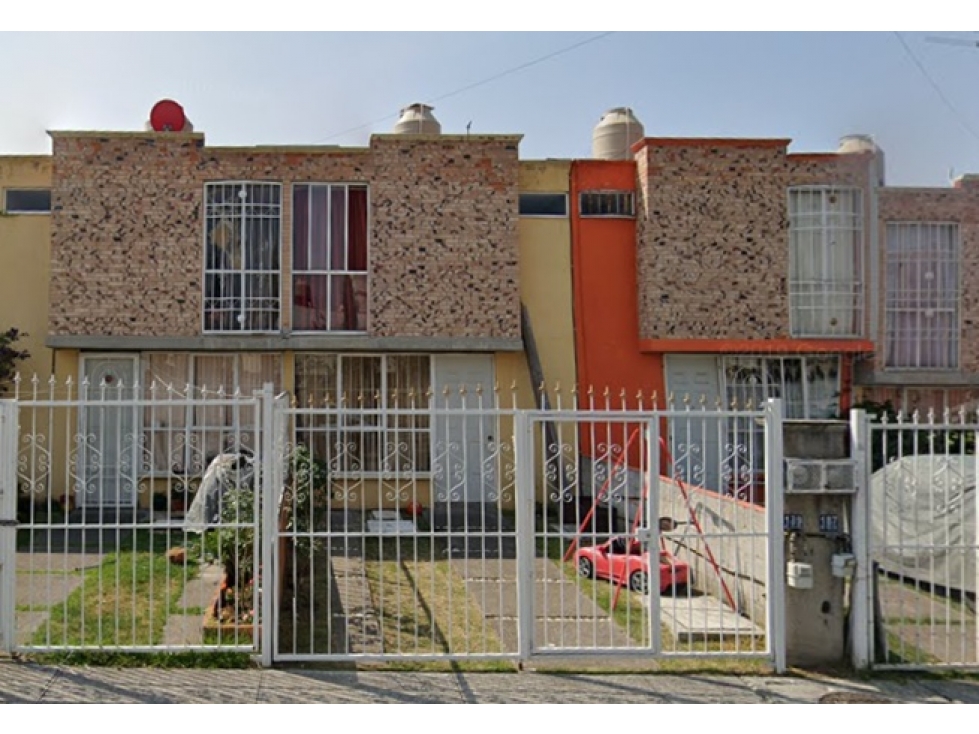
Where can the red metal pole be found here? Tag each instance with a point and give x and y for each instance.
(601, 493)
(696, 523)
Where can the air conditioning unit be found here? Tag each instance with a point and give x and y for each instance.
(820, 476)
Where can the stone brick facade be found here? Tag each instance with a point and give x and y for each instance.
(127, 230)
(713, 242)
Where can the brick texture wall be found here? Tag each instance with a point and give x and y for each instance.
(713, 234)
(127, 230)
(126, 236)
(444, 261)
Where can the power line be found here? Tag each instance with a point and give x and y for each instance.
(487, 80)
(938, 90)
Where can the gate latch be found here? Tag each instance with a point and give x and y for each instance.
(8, 523)
(644, 535)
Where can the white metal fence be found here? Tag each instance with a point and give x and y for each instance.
(441, 527)
(102, 555)
(915, 600)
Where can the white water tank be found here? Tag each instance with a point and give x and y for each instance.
(864, 144)
(417, 119)
(615, 134)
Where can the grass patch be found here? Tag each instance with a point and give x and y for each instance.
(910, 612)
(423, 607)
(386, 596)
(124, 601)
(220, 660)
(900, 651)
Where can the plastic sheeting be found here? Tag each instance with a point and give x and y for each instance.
(923, 519)
(226, 472)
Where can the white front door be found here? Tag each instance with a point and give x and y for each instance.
(463, 457)
(695, 442)
(109, 451)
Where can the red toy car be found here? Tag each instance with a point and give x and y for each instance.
(622, 561)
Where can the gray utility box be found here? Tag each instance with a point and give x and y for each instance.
(820, 476)
(819, 480)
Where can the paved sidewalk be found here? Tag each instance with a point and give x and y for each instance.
(29, 683)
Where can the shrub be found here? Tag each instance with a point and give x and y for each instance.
(10, 356)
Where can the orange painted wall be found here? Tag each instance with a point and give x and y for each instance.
(605, 302)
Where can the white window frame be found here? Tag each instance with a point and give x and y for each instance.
(562, 194)
(620, 195)
(329, 273)
(765, 389)
(343, 406)
(195, 395)
(819, 295)
(241, 273)
(768, 389)
(925, 302)
(27, 212)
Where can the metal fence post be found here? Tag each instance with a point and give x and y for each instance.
(774, 490)
(524, 471)
(861, 595)
(8, 522)
(652, 523)
(268, 523)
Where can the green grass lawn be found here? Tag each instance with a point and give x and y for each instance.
(423, 607)
(124, 601)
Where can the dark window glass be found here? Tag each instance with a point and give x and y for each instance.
(27, 200)
(544, 205)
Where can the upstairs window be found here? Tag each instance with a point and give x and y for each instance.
(607, 204)
(27, 201)
(242, 239)
(543, 205)
(921, 311)
(329, 257)
(825, 261)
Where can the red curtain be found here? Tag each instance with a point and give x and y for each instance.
(300, 228)
(322, 214)
(357, 232)
(309, 222)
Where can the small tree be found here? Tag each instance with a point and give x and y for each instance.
(10, 356)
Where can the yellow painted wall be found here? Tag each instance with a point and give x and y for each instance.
(65, 429)
(25, 248)
(545, 277)
(545, 290)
